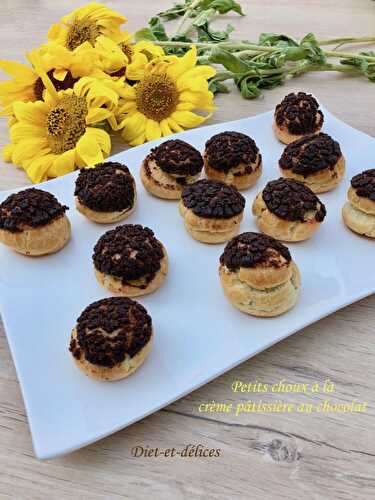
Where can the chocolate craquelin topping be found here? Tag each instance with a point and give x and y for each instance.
(110, 329)
(109, 187)
(290, 200)
(311, 154)
(213, 199)
(29, 208)
(177, 158)
(300, 113)
(364, 184)
(251, 249)
(129, 252)
(228, 149)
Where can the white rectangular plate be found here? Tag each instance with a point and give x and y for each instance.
(199, 335)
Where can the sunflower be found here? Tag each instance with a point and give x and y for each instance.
(64, 68)
(85, 24)
(163, 99)
(52, 137)
(127, 59)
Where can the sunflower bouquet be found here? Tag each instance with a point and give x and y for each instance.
(89, 80)
(92, 79)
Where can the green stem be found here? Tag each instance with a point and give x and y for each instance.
(185, 16)
(347, 39)
(347, 55)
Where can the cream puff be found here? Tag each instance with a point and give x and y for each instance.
(130, 261)
(316, 160)
(233, 158)
(112, 338)
(359, 211)
(105, 193)
(169, 167)
(288, 210)
(212, 210)
(258, 275)
(33, 222)
(296, 116)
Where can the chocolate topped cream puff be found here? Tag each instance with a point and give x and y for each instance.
(33, 222)
(212, 210)
(105, 193)
(288, 210)
(130, 261)
(296, 116)
(315, 160)
(169, 167)
(112, 338)
(258, 275)
(233, 158)
(359, 211)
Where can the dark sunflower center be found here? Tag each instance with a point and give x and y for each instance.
(156, 96)
(80, 31)
(66, 123)
(67, 83)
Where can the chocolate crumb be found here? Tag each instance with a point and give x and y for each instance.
(251, 249)
(228, 149)
(110, 329)
(213, 199)
(311, 154)
(29, 208)
(129, 252)
(290, 200)
(108, 187)
(364, 184)
(177, 158)
(300, 113)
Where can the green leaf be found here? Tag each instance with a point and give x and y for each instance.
(218, 87)
(276, 40)
(174, 12)
(157, 29)
(206, 34)
(222, 6)
(228, 60)
(313, 53)
(144, 34)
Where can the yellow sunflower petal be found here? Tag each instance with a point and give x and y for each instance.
(184, 64)
(18, 70)
(63, 164)
(38, 169)
(187, 119)
(165, 128)
(186, 79)
(175, 127)
(96, 115)
(7, 152)
(21, 131)
(33, 113)
(101, 137)
(28, 149)
(153, 130)
(132, 126)
(89, 150)
(140, 139)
